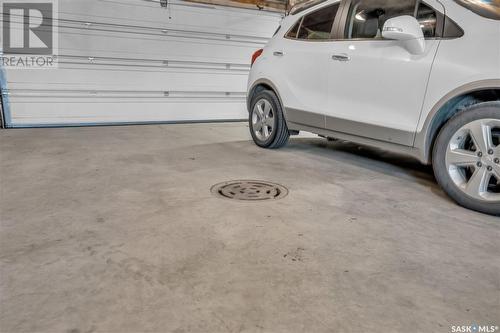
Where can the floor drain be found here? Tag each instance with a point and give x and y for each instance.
(250, 190)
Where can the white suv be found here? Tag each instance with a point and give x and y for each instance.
(415, 77)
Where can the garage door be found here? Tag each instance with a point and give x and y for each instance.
(134, 61)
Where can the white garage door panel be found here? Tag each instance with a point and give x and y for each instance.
(80, 111)
(154, 47)
(184, 16)
(128, 80)
(125, 61)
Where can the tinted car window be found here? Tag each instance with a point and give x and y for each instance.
(427, 17)
(367, 17)
(292, 33)
(318, 24)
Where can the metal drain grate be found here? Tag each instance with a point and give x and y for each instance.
(250, 190)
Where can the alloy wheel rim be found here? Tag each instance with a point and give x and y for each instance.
(473, 159)
(263, 119)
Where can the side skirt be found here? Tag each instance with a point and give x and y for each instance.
(392, 147)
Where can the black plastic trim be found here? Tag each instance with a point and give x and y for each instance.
(2, 116)
(451, 29)
(299, 22)
(305, 6)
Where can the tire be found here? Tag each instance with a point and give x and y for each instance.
(467, 174)
(269, 120)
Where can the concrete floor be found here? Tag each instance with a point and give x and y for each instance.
(114, 229)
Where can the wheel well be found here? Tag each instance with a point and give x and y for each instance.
(258, 88)
(455, 105)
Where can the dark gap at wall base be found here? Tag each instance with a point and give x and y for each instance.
(119, 124)
(2, 118)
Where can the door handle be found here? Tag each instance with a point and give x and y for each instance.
(278, 54)
(341, 57)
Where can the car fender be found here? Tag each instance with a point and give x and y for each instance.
(424, 139)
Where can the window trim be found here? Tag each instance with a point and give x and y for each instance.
(297, 9)
(440, 17)
(299, 22)
(337, 17)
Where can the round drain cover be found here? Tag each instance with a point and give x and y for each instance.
(251, 190)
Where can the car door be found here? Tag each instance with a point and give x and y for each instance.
(376, 87)
(304, 56)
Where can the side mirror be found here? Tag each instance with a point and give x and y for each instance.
(406, 29)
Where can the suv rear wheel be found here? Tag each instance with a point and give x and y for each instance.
(266, 121)
(466, 158)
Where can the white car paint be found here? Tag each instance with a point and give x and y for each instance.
(383, 86)
(472, 58)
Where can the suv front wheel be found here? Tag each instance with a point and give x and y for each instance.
(466, 158)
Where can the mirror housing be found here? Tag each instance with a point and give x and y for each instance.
(406, 29)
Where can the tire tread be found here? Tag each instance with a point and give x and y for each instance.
(474, 112)
(281, 136)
